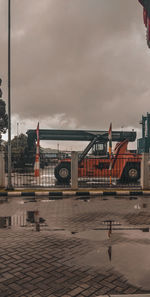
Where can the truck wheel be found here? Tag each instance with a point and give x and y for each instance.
(63, 172)
(131, 173)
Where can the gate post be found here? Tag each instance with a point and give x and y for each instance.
(74, 170)
(2, 170)
(145, 171)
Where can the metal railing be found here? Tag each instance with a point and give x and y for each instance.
(121, 171)
(92, 172)
(23, 174)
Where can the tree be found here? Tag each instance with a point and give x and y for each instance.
(21, 156)
(3, 118)
(19, 144)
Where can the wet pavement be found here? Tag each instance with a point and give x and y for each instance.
(74, 247)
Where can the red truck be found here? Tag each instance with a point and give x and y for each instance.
(125, 165)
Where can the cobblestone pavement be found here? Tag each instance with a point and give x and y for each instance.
(47, 263)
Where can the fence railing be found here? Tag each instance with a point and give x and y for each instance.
(93, 172)
(24, 175)
(120, 171)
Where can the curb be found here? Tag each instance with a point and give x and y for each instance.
(72, 193)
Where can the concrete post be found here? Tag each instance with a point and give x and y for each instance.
(74, 170)
(145, 171)
(2, 170)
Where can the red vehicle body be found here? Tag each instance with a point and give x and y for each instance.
(125, 166)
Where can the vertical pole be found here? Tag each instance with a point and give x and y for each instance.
(2, 170)
(17, 133)
(110, 152)
(9, 96)
(74, 170)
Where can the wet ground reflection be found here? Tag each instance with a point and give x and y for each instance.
(115, 244)
(110, 252)
(5, 222)
(131, 260)
(23, 219)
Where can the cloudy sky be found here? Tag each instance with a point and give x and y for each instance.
(76, 63)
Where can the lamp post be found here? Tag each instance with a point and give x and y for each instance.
(9, 186)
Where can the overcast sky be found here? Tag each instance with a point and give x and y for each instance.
(76, 63)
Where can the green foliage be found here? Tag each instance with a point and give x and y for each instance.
(21, 156)
(3, 117)
(19, 144)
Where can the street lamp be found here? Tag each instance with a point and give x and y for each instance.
(9, 186)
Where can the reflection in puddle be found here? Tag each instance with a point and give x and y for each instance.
(110, 224)
(128, 259)
(110, 252)
(23, 219)
(141, 203)
(4, 200)
(133, 198)
(33, 217)
(131, 259)
(84, 199)
(5, 222)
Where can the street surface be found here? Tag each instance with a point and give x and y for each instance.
(75, 253)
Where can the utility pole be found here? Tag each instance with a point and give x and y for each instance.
(17, 133)
(9, 186)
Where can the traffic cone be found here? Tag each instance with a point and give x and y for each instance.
(37, 166)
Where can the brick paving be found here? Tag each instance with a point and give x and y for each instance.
(47, 263)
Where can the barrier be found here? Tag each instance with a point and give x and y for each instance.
(68, 173)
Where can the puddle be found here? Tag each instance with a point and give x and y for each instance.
(30, 201)
(22, 219)
(131, 260)
(85, 198)
(142, 203)
(135, 234)
(95, 235)
(49, 200)
(128, 258)
(5, 222)
(133, 198)
(4, 200)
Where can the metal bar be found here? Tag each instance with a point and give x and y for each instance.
(87, 149)
(9, 186)
(80, 135)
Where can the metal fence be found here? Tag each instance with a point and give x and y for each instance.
(121, 171)
(23, 175)
(92, 172)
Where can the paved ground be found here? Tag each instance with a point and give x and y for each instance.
(57, 261)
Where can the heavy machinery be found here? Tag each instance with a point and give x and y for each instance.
(94, 161)
(124, 164)
(146, 18)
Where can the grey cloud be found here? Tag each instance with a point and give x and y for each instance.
(85, 59)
